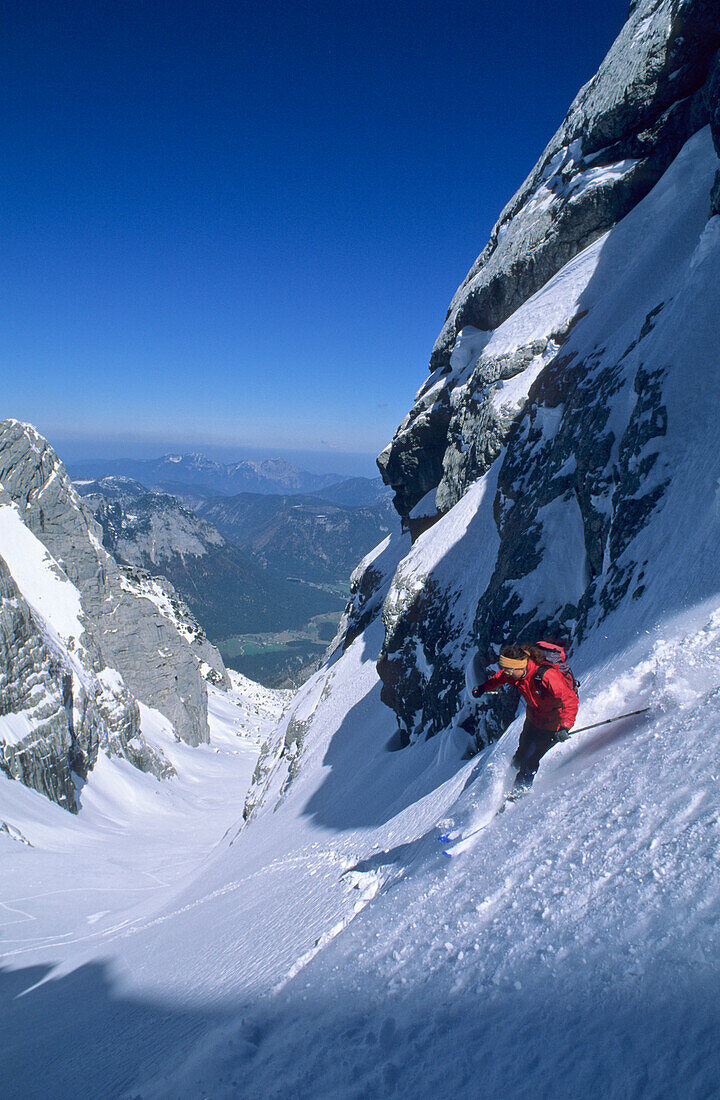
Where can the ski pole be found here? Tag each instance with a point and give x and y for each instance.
(606, 721)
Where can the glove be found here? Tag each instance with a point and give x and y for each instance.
(477, 692)
(562, 734)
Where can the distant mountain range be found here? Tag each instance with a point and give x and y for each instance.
(357, 491)
(226, 589)
(304, 537)
(264, 563)
(195, 476)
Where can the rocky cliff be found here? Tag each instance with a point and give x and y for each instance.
(59, 701)
(537, 451)
(657, 86)
(81, 639)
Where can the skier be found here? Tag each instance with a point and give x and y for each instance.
(540, 675)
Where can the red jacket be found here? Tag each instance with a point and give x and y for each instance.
(551, 702)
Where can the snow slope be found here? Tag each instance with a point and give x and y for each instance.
(55, 601)
(329, 949)
(574, 952)
(133, 838)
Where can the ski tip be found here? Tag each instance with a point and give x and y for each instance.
(448, 855)
(444, 839)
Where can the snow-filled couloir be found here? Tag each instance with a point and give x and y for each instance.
(298, 932)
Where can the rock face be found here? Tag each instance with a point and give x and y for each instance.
(143, 638)
(656, 87)
(59, 702)
(31, 690)
(537, 455)
(146, 529)
(369, 585)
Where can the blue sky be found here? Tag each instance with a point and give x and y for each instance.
(239, 226)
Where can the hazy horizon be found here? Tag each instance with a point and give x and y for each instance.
(74, 452)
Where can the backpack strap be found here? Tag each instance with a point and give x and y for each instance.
(564, 669)
(539, 675)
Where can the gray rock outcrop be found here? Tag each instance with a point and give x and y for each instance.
(369, 584)
(59, 702)
(145, 529)
(141, 628)
(47, 742)
(656, 87)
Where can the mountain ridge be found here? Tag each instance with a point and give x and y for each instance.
(197, 471)
(656, 87)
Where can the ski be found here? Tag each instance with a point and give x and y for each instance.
(465, 842)
(461, 842)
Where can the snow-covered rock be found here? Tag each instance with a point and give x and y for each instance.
(143, 528)
(656, 87)
(148, 643)
(59, 703)
(83, 640)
